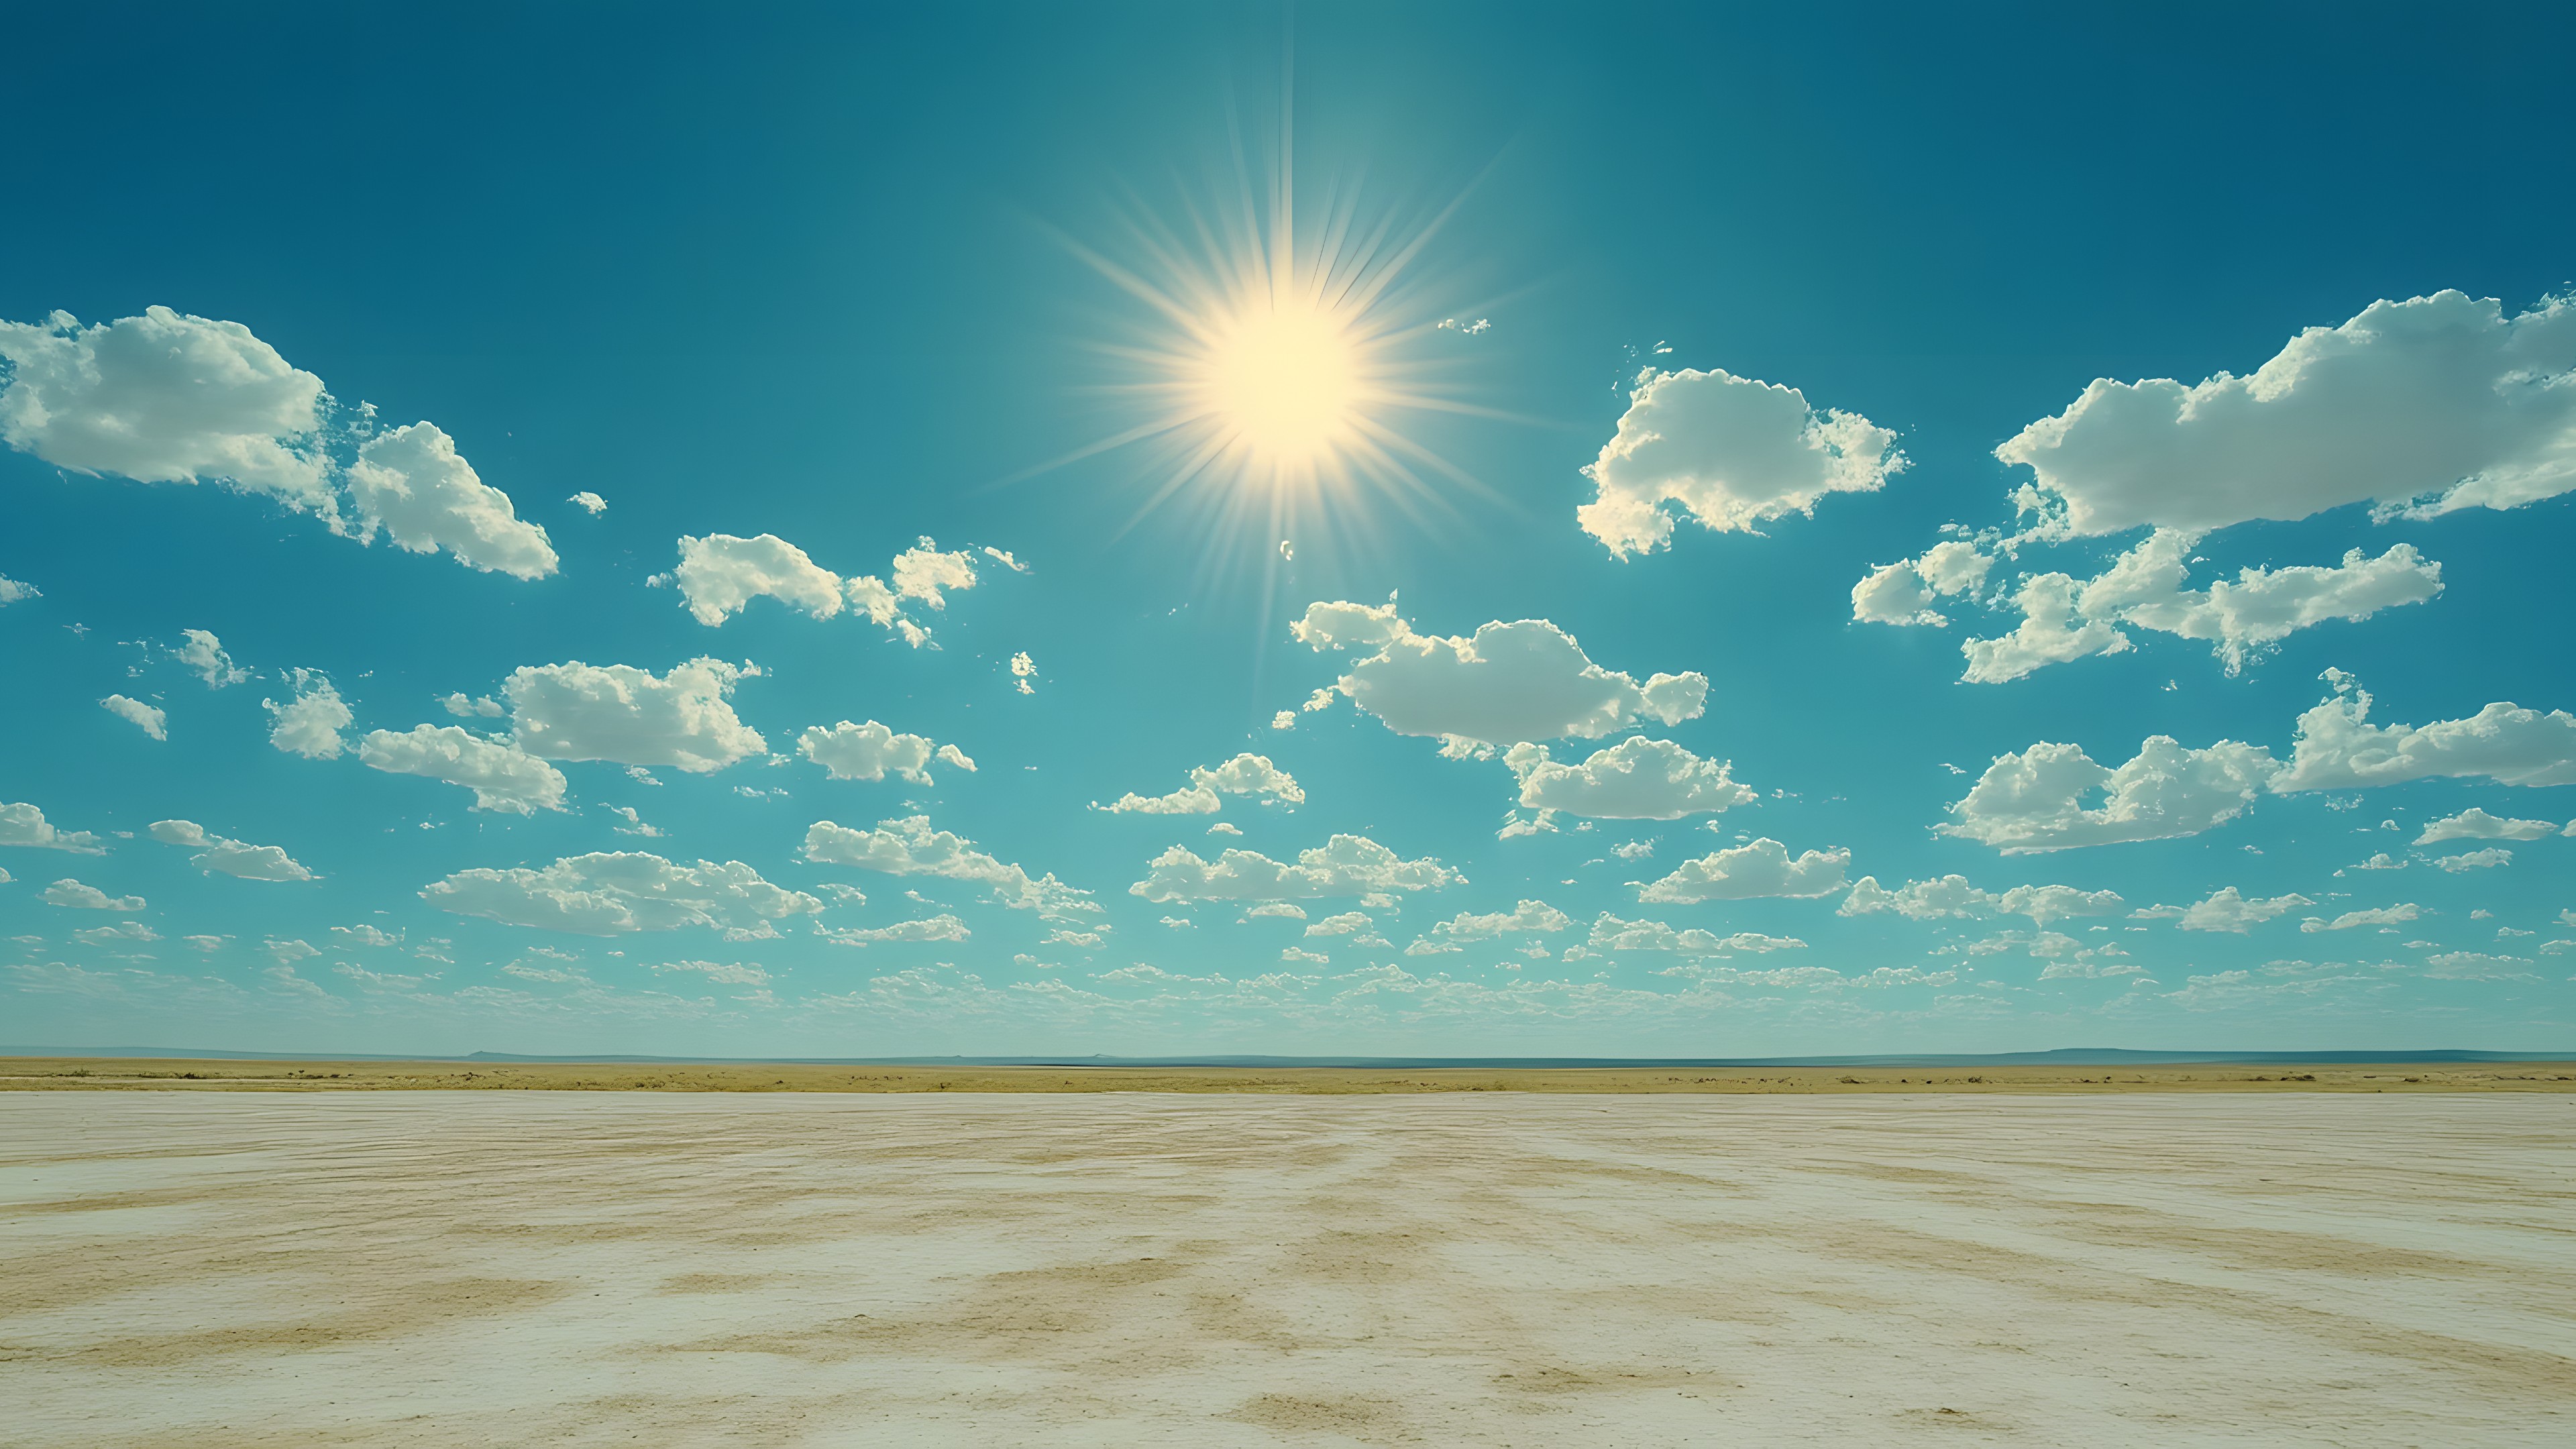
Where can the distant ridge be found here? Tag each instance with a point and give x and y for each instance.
(2062, 1056)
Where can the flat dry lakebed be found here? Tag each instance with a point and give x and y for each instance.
(476, 1268)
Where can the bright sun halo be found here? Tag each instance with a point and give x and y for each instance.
(1277, 363)
(1283, 379)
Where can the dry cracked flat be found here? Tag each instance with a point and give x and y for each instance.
(471, 1268)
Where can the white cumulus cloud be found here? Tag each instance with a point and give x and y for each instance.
(941, 927)
(25, 825)
(166, 398)
(2441, 396)
(2487, 859)
(616, 712)
(231, 857)
(2036, 799)
(1609, 933)
(1346, 865)
(1635, 779)
(1904, 592)
(76, 896)
(2336, 747)
(1953, 896)
(1526, 917)
(2064, 619)
(142, 716)
(871, 751)
(1761, 868)
(909, 846)
(2476, 824)
(1245, 774)
(720, 574)
(205, 654)
(1733, 451)
(13, 590)
(411, 483)
(2396, 915)
(2229, 910)
(310, 723)
(502, 776)
(1505, 684)
(614, 893)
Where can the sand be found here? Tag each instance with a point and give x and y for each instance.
(234, 1268)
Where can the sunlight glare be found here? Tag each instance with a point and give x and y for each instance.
(1283, 378)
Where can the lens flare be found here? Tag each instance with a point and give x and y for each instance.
(1271, 374)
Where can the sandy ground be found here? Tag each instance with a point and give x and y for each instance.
(218, 1269)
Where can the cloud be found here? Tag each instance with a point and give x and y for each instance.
(635, 822)
(2034, 800)
(2487, 859)
(1525, 917)
(921, 573)
(870, 751)
(2476, 966)
(1277, 908)
(2063, 619)
(2336, 748)
(1952, 896)
(2263, 606)
(1635, 779)
(108, 935)
(941, 927)
(1731, 450)
(231, 857)
(411, 483)
(2051, 632)
(2375, 916)
(1245, 774)
(720, 574)
(205, 654)
(142, 716)
(616, 712)
(1346, 865)
(2439, 395)
(14, 590)
(1507, 683)
(1348, 923)
(1609, 933)
(613, 893)
(1762, 868)
(172, 398)
(910, 847)
(166, 398)
(310, 724)
(2476, 824)
(362, 936)
(1903, 592)
(24, 825)
(589, 502)
(502, 776)
(2229, 910)
(470, 707)
(723, 973)
(79, 897)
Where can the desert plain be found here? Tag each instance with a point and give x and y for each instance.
(301, 1261)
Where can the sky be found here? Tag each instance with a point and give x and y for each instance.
(1393, 530)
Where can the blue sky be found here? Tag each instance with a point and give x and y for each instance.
(1840, 424)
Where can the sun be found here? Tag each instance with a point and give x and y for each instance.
(1278, 364)
(1284, 378)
